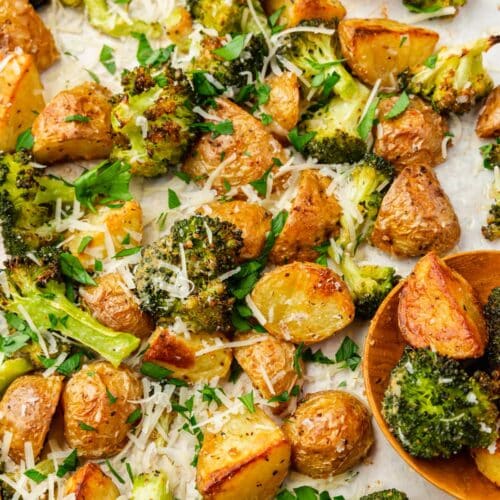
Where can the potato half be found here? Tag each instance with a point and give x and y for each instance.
(488, 463)
(296, 11)
(488, 122)
(90, 483)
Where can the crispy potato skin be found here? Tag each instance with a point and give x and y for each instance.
(301, 10)
(248, 459)
(178, 353)
(115, 306)
(26, 410)
(90, 483)
(488, 463)
(253, 220)
(330, 432)
(248, 153)
(374, 49)
(303, 302)
(85, 399)
(416, 216)
(22, 27)
(21, 97)
(439, 309)
(414, 138)
(488, 123)
(60, 140)
(312, 219)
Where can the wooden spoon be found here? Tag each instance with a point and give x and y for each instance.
(384, 346)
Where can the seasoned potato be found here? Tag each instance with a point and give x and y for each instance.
(416, 216)
(269, 365)
(303, 302)
(123, 224)
(439, 309)
(90, 483)
(414, 138)
(113, 304)
(26, 410)
(247, 153)
(488, 463)
(382, 48)
(312, 219)
(178, 27)
(178, 353)
(330, 432)
(22, 27)
(89, 400)
(488, 123)
(296, 11)
(248, 459)
(75, 125)
(21, 97)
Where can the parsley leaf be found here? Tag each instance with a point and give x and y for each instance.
(25, 140)
(69, 464)
(114, 472)
(77, 118)
(155, 371)
(209, 394)
(247, 400)
(296, 359)
(144, 49)
(202, 86)
(260, 185)
(183, 176)
(299, 141)
(106, 58)
(366, 124)
(35, 475)
(317, 357)
(72, 268)
(173, 199)
(430, 62)
(224, 127)
(285, 395)
(112, 399)
(399, 107)
(134, 417)
(348, 354)
(84, 243)
(273, 19)
(85, 427)
(126, 252)
(70, 365)
(233, 49)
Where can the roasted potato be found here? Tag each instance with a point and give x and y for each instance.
(247, 153)
(330, 432)
(178, 352)
(312, 219)
(382, 49)
(21, 97)
(178, 26)
(416, 216)
(75, 125)
(488, 122)
(439, 309)
(248, 459)
(303, 302)
(488, 463)
(269, 365)
(90, 483)
(101, 397)
(113, 304)
(26, 410)
(253, 221)
(22, 27)
(123, 224)
(296, 11)
(414, 138)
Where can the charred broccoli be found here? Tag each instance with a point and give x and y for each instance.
(179, 275)
(152, 120)
(492, 315)
(431, 5)
(491, 231)
(434, 408)
(391, 494)
(491, 155)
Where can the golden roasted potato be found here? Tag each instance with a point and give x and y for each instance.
(248, 459)
(330, 432)
(123, 224)
(416, 216)
(382, 49)
(100, 397)
(26, 410)
(113, 304)
(179, 353)
(247, 153)
(312, 219)
(22, 27)
(90, 483)
(21, 97)
(488, 122)
(253, 221)
(296, 11)
(488, 463)
(439, 309)
(75, 125)
(414, 138)
(178, 26)
(303, 302)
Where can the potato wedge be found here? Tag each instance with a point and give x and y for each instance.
(488, 463)
(75, 125)
(248, 459)
(382, 49)
(488, 122)
(312, 219)
(100, 397)
(416, 216)
(179, 353)
(26, 410)
(296, 11)
(90, 483)
(21, 97)
(439, 309)
(302, 302)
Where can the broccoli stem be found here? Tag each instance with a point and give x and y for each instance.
(152, 486)
(10, 369)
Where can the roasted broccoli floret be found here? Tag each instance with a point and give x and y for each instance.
(179, 275)
(491, 155)
(491, 231)
(391, 494)
(434, 408)
(457, 79)
(492, 316)
(431, 5)
(151, 486)
(152, 120)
